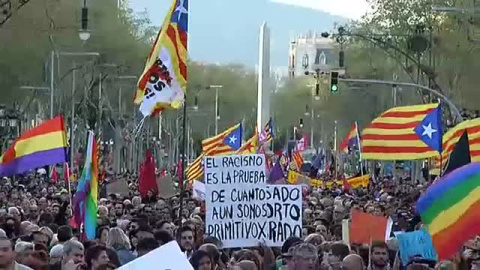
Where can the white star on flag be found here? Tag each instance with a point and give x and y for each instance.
(233, 139)
(428, 130)
(181, 9)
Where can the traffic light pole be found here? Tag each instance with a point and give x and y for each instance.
(433, 91)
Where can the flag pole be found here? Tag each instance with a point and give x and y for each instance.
(359, 147)
(184, 161)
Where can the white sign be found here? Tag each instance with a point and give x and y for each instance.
(156, 259)
(198, 190)
(242, 210)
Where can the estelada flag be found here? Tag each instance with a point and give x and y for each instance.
(163, 82)
(400, 134)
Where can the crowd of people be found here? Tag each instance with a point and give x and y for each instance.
(37, 231)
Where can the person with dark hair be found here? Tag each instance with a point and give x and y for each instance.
(146, 245)
(102, 235)
(336, 253)
(96, 257)
(64, 233)
(40, 238)
(201, 260)
(163, 237)
(185, 239)
(7, 256)
(379, 256)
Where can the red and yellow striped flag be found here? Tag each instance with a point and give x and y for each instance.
(250, 146)
(195, 169)
(391, 136)
(216, 145)
(451, 138)
(297, 159)
(164, 79)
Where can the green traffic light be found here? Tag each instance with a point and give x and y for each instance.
(334, 88)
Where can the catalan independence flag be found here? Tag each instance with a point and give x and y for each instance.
(164, 79)
(86, 197)
(249, 147)
(225, 143)
(267, 133)
(195, 169)
(403, 133)
(451, 137)
(40, 146)
(450, 209)
(352, 139)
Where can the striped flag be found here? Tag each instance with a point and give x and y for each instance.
(195, 169)
(225, 143)
(352, 139)
(297, 160)
(392, 135)
(164, 79)
(267, 133)
(451, 137)
(249, 147)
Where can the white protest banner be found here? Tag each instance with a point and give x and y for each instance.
(242, 210)
(157, 259)
(198, 190)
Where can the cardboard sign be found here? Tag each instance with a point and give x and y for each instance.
(156, 259)
(416, 243)
(166, 188)
(118, 186)
(241, 210)
(365, 228)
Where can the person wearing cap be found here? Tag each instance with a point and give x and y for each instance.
(302, 257)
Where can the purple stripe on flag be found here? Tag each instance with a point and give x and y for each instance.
(34, 160)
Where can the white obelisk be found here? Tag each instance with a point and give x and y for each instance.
(264, 86)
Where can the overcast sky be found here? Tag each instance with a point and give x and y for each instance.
(353, 9)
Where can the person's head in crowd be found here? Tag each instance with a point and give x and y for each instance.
(56, 254)
(23, 227)
(336, 253)
(73, 251)
(7, 254)
(102, 235)
(118, 210)
(40, 238)
(302, 257)
(201, 260)
(213, 252)
(165, 226)
(11, 227)
(15, 213)
(146, 245)
(163, 237)
(64, 233)
(316, 240)
(117, 239)
(102, 211)
(353, 262)
(186, 238)
(290, 242)
(113, 259)
(213, 240)
(136, 201)
(45, 219)
(132, 236)
(32, 228)
(141, 234)
(22, 246)
(55, 209)
(37, 260)
(96, 257)
(48, 232)
(322, 229)
(379, 255)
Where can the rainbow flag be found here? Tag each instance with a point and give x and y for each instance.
(352, 139)
(450, 208)
(225, 143)
(40, 146)
(86, 197)
(164, 79)
(394, 134)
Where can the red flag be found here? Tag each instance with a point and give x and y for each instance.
(147, 179)
(54, 175)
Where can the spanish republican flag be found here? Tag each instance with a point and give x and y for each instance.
(40, 146)
(451, 137)
(164, 80)
(351, 140)
(392, 135)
